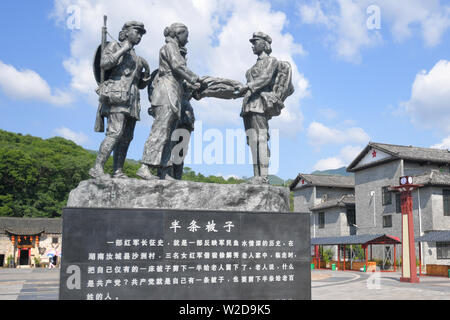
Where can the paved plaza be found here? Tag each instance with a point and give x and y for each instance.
(43, 284)
(349, 285)
(29, 284)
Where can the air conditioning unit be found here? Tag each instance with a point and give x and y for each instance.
(324, 197)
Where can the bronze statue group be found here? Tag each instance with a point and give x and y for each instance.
(121, 73)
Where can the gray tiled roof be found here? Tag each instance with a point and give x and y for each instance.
(416, 153)
(435, 236)
(404, 152)
(325, 180)
(343, 201)
(30, 226)
(433, 177)
(355, 239)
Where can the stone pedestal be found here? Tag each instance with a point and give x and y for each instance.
(185, 195)
(181, 240)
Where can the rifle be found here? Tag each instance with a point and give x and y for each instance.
(99, 121)
(104, 32)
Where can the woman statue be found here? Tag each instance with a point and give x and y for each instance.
(166, 100)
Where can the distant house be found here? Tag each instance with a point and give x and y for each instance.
(377, 168)
(26, 240)
(330, 201)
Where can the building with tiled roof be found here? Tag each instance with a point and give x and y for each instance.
(26, 242)
(331, 181)
(329, 199)
(378, 168)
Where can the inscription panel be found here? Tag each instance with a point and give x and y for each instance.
(162, 254)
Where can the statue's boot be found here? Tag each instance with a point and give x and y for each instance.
(166, 173)
(120, 154)
(264, 174)
(178, 171)
(104, 152)
(261, 175)
(144, 173)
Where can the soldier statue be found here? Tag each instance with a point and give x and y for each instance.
(269, 83)
(124, 74)
(166, 100)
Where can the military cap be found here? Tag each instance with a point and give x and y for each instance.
(136, 25)
(261, 35)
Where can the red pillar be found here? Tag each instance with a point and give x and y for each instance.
(420, 259)
(409, 268)
(318, 255)
(366, 256)
(339, 257)
(395, 257)
(344, 259)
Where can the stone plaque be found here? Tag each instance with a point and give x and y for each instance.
(161, 254)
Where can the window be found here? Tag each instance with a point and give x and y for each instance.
(398, 203)
(321, 220)
(446, 198)
(55, 240)
(386, 196)
(443, 250)
(387, 221)
(351, 217)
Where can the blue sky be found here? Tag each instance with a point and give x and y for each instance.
(353, 84)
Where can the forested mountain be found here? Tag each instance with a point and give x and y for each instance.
(36, 175)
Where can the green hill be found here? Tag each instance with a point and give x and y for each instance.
(340, 172)
(37, 175)
(275, 181)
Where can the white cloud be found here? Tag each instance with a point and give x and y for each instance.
(28, 85)
(329, 164)
(349, 153)
(432, 17)
(319, 134)
(352, 138)
(346, 21)
(345, 157)
(77, 137)
(313, 13)
(444, 144)
(219, 46)
(430, 97)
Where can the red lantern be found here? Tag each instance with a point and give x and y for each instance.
(13, 239)
(19, 239)
(37, 241)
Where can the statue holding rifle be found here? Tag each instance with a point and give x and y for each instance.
(120, 74)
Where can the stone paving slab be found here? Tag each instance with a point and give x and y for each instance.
(43, 284)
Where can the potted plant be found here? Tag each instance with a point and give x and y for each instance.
(10, 261)
(327, 256)
(37, 262)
